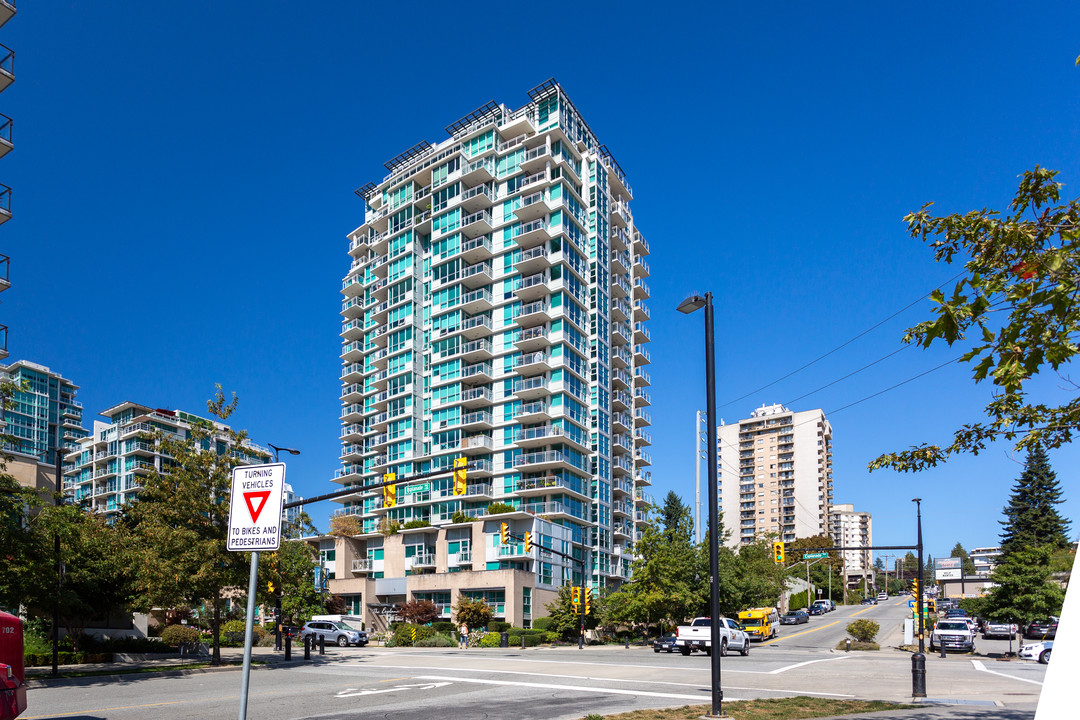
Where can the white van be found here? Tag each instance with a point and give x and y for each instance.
(825, 605)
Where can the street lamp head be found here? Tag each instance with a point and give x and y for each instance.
(690, 304)
(916, 500)
(291, 451)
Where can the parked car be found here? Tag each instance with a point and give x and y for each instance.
(666, 643)
(955, 612)
(868, 601)
(827, 605)
(335, 632)
(815, 610)
(999, 629)
(795, 617)
(882, 596)
(292, 631)
(1037, 651)
(955, 634)
(1042, 629)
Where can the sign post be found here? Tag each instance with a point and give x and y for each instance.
(254, 525)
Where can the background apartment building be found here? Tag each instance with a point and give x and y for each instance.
(106, 468)
(495, 309)
(850, 528)
(775, 474)
(44, 414)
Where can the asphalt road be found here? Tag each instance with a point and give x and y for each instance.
(544, 683)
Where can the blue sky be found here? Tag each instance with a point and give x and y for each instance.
(183, 174)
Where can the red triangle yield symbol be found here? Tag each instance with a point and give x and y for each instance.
(261, 495)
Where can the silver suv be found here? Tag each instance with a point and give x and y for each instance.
(334, 632)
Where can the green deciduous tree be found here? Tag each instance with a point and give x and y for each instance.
(475, 614)
(566, 619)
(1031, 518)
(292, 571)
(1014, 310)
(181, 518)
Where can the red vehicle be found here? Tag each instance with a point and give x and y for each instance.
(12, 673)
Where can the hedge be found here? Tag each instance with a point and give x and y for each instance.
(65, 658)
(490, 640)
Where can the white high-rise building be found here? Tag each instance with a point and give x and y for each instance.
(850, 528)
(775, 475)
(495, 309)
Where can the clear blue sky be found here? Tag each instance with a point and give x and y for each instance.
(183, 174)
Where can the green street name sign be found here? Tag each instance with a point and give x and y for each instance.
(815, 556)
(424, 487)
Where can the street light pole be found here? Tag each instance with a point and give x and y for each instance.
(688, 306)
(918, 660)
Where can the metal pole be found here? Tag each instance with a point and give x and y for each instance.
(918, 660)
(808, 601)
(252, 585)
(714, 519)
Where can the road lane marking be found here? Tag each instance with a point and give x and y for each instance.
(102, 710)
(979, 666)
(579, 688)
(810, 630)
(607, 679)
(808, 662)
(353, 692)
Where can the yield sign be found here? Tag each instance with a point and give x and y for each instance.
(255, 509)
(260, 500)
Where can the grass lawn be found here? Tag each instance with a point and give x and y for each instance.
(792, 708)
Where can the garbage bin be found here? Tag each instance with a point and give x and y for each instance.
(504, 639)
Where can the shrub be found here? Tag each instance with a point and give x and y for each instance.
(551, 637)
(514, 640)
(498, 626)
(233, 626)
(404, 637)
(174, 635)
(460, 517)
(416, 524)
(542, 624)
(532, 640)
(496, 508)
(444, 626)
(863, 630)
(490, 640)
(435, 641)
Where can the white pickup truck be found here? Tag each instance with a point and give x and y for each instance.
(698, 636)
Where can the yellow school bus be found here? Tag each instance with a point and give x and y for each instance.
(760, 623)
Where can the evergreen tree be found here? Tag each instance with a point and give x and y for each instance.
(1031, 518)
(958, 551)
(1023, 589)
(673, 513)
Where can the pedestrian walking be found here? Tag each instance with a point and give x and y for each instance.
(463, 637)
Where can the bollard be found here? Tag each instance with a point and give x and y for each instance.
(627, 645)
(288, 647)
(277, 637)
(522, 642)
(942, 647)
(847, 645)
(307, 647)
(322, 644)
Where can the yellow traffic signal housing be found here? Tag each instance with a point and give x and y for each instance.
(389, 490)
(528, 542)
(460, 486)
(587, 596)
(504, 532)
(575, 596)
(915, 589)
(778, 552)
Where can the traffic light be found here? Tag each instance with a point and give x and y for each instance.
(586, 594)
(915, 588)
(460, 486)
(575, 596)
(389, 491)
(528, 542)
(504, 532)
(778, 552)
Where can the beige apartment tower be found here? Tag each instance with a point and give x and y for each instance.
(775, 475)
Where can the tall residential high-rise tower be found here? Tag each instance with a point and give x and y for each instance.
(7, 76)
(44, 413)
(775, 474)
(495, 309)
